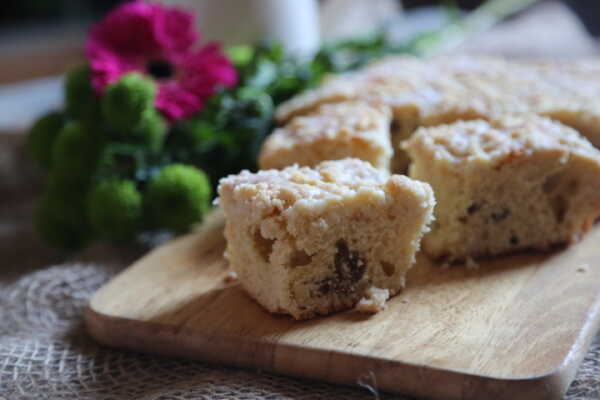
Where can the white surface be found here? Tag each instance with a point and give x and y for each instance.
(22, 103)
(295, 23)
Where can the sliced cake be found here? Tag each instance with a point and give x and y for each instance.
(313, 241)
(447, 89)
(353, 129)
(504, 185)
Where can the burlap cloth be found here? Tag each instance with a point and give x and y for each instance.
(45, 352)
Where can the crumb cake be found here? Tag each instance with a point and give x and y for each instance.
(447, 89)
(373, 301)
(336, 131)
(505, 184)
(307, 241)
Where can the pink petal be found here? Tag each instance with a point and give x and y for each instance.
(138, 32)
(174, 30)
(107, 68)
(206, 70)
(201, 74)
(218, 65)
(134, 33)
(127, 30)
(177, 103)
(103, 74)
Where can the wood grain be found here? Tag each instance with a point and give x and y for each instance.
(515, 328)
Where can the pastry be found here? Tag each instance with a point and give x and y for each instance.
(506, 184)
(308, 241)
(353, 129)
(444, 90)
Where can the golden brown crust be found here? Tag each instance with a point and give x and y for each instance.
(354, 129)
(451, 88)
(313, 241)
(512, 183)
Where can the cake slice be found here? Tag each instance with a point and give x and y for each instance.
(314, 241)
(336, 131)
(442, 90)
(504, 185)
(343, 87)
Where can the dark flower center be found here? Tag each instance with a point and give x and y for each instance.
(160, 69)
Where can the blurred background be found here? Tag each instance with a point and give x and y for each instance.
(44, 37)
(41, 39)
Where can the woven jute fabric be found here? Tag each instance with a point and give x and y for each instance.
(46, 353)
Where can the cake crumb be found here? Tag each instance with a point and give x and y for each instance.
(583, 268)
(374, 300)
(231, 276)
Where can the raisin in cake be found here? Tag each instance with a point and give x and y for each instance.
(504, 185)
(336, 131)
(313, 241)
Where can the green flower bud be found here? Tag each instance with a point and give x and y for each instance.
(240, 55)
(74, 153)
(115, 210)
(127, 101)
(153, 131)
(61, 218)
(255, 102)
(121, 160)
(41, 137)
(178, 197)
(80, 101)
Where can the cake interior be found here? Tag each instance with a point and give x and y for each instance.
(493, 200)
(314, 247)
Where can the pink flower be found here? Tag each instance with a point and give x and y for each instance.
(158, 41)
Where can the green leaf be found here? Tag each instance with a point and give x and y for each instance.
(122, 161)
(239, 55)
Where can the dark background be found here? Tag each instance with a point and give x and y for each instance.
(29, 12)
(43, 37)
(33, 11)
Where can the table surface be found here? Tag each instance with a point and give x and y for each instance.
(44, 351)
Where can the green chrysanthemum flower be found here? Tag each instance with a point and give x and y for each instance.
(41, 137)
(80, 101)
(115, 210)
(178, 197)
(74, 153)
(61, 218)
(127, 102)
(153, 131)
(121, 160)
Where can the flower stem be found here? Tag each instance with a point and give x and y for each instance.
(481, 19)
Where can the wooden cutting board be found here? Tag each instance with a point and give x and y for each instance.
(515, 328)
